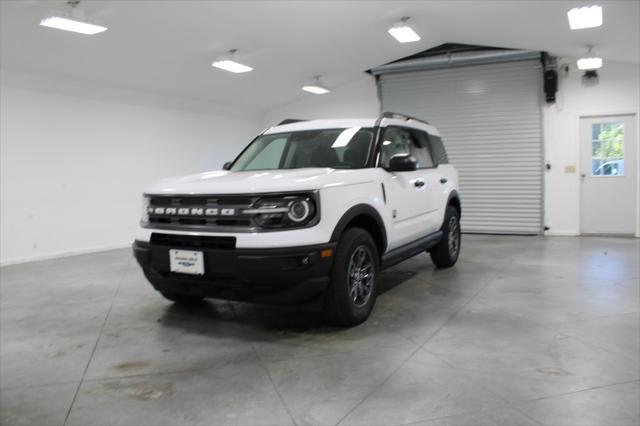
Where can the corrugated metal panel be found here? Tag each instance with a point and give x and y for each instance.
(490, 120)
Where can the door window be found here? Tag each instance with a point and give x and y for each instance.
(403, 141)
(607, 149)
(396, 141)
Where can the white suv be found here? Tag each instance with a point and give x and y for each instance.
(310, 211)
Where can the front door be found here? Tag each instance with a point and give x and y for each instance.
(410, 193)
(608, 175)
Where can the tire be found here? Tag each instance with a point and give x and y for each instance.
(182, 299)
(446, 253)
(351, 294)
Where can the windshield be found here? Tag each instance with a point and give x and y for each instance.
(335, 148)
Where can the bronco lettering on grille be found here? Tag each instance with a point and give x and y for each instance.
(192, 211)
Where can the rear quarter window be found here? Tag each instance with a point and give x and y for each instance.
(437, 150)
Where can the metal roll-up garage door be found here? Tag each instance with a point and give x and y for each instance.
(490, 119)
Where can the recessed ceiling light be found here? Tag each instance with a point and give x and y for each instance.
(73, 22)
(317, 88)
(403, 32)
(585, 17)
(227, 63)
(590, 62)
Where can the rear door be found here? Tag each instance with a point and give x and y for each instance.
(435, 189)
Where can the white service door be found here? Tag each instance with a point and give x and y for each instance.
(608, 175)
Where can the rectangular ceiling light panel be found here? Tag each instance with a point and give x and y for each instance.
(404, 34)
(585, 17)
(73, 25)
(317, 90)
(589, 63)
(231, 66)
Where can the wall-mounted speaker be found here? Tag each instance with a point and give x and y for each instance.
(550, 85)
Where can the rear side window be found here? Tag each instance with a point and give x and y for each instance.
(437, 150)
(421, 150)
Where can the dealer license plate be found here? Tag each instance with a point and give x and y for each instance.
(186, 262)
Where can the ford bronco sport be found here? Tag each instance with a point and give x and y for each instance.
(309, 211)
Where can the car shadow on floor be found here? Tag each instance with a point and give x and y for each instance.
(262, 318)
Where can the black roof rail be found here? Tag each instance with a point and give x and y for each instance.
(290, 120)
(390, 114)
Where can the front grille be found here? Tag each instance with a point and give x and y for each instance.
(206, 212)
(217, 213)
(193, 242)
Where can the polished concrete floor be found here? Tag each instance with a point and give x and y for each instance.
(524, 330)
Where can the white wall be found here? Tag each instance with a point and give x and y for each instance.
(87, 151)
(618, 91)
(358, 99)
(73, 167)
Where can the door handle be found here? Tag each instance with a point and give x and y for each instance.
(444, 180)
(418, 183)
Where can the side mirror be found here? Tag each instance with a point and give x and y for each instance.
(402, 163)
(226, 166)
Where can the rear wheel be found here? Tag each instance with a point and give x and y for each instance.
(352, 291)
(446, 253)
(182, 299)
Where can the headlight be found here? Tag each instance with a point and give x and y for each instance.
(283, 212)
(145, 210)
(299, 210)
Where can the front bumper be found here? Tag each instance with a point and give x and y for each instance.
(269, 275)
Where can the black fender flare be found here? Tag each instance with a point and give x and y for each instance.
(454, 195)
(360, 210)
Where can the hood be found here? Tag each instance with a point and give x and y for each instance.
(253, 182)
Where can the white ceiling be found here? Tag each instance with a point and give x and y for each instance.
(166, 47)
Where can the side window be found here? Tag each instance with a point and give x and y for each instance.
(437, 149)
(269, 157)
(395, 141)
(420, 150)
(398, 140)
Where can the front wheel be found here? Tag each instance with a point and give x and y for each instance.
(446, 253)
(352, 291)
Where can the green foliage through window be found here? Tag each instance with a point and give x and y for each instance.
(608, 149)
